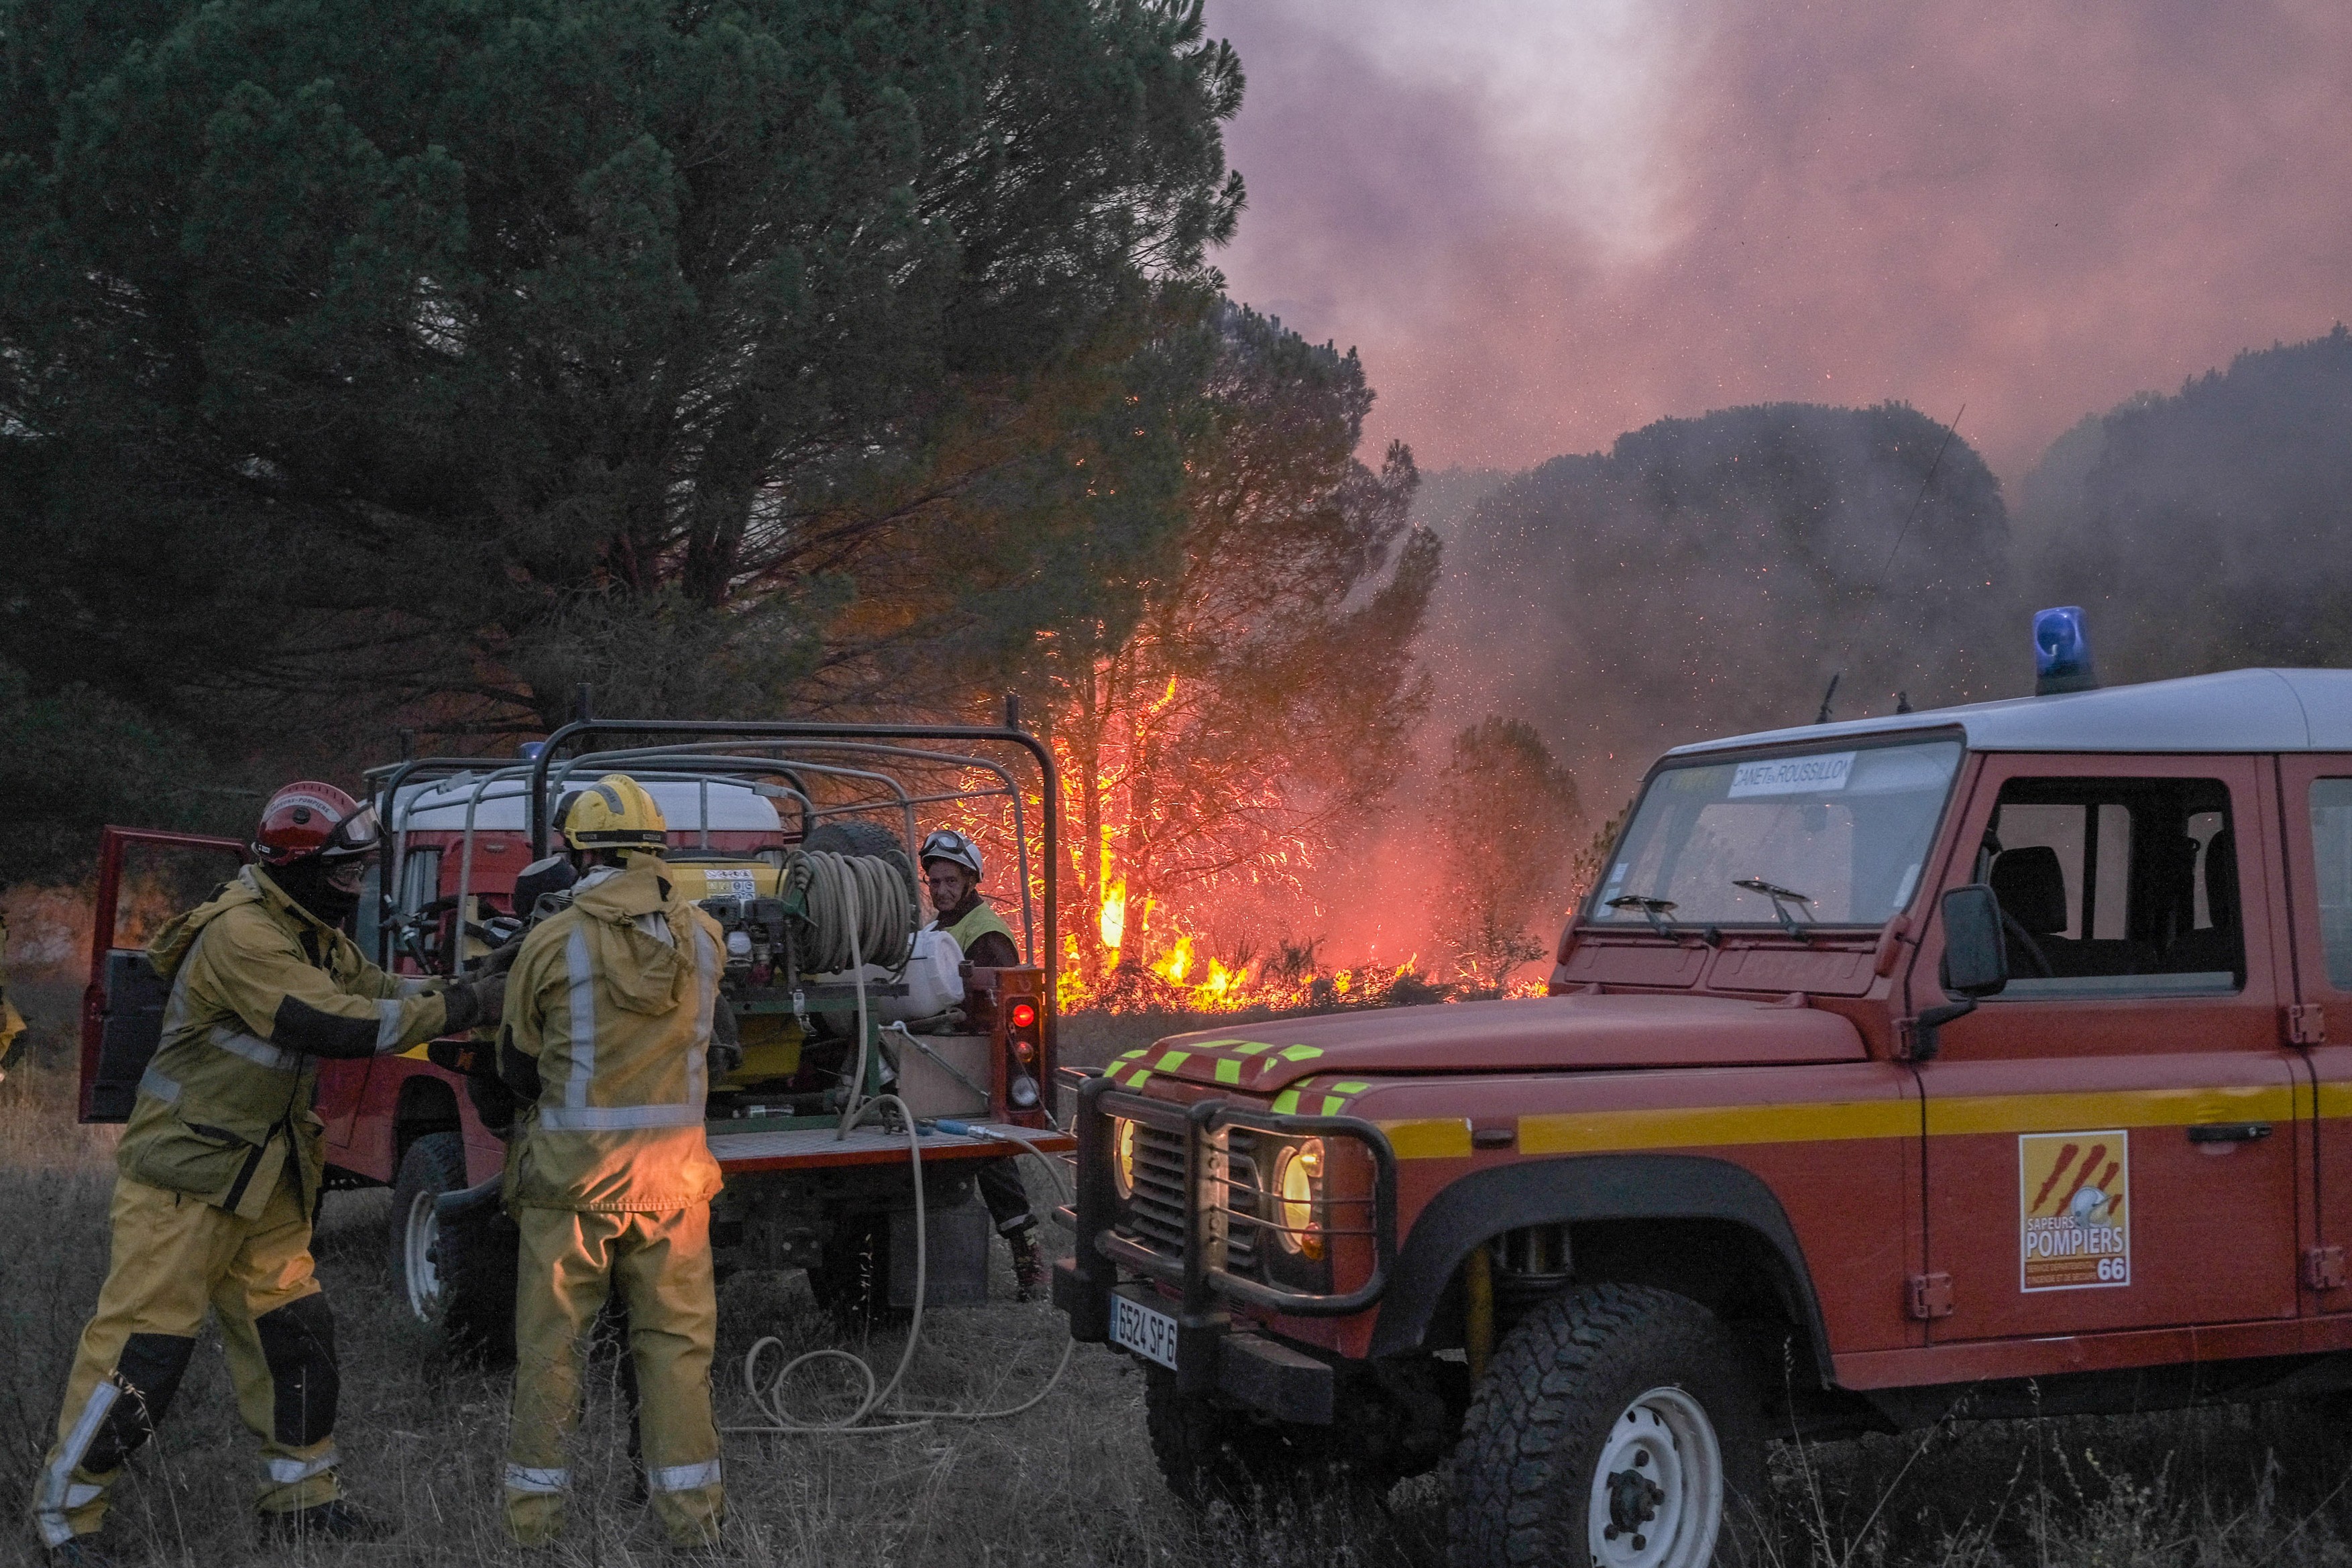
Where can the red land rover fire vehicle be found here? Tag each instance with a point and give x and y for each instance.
(966, 1049)
(1992, 1054)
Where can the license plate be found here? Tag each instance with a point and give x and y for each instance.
(1143, 1330)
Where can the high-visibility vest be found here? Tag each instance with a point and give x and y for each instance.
(260, 989)
(619, 1020)
(977, 922)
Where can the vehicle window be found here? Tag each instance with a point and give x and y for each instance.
(2117, 887)
(367, 920)
(2331, 847)
(161, 881)
(1826, 838)
(420, 880)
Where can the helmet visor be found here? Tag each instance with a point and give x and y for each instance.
(946, 844)
(355, 835)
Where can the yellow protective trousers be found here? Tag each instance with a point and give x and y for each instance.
(172, 1257)
(570, 1261)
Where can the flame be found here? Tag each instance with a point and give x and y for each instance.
(1172, 964)
(1113, 922)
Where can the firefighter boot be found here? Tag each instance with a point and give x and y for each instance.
(336, 1520)
(1028, 1266)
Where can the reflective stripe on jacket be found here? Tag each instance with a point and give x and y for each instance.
(260, 989)
(618, 1021)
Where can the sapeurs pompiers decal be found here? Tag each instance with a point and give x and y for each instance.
(2073, 1215)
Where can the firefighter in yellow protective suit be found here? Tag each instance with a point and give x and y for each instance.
(608, 1175)
(220, 1170)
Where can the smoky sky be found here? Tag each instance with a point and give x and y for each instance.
(1544, 222)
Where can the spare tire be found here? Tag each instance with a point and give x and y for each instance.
(459, 1278)
(855, 836)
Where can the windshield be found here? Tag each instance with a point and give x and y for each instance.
(1826, 838)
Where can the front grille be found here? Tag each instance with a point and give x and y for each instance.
(1156, 1215)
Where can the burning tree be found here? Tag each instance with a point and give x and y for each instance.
(1509, 819)
(1261, 693)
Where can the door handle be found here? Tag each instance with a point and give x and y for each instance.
(2229, 1132)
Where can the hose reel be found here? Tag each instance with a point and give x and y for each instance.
(854, 909)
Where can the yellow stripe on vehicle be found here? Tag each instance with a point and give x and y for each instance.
(2336, 1098)
(2109, 1108)
(1285, 1102)
(1173, 1060)
(1251, 1047)
(1300, 1053)
(1688, 1126)
(1718, 1125)
(1229, 1071)
(1437, 1138)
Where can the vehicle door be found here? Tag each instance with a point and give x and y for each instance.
(143, 880)
(2315, 822)
(2112, 1142)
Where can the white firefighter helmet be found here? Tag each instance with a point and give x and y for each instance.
(955, 848)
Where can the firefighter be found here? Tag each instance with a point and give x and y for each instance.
(220, 1170)
(608, 1175)
(952, 872)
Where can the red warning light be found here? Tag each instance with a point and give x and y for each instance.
(1024, 1014)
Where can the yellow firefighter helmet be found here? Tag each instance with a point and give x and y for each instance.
(613, 813)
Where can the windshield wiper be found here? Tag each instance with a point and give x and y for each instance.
(1650, 909)
(1781, 896)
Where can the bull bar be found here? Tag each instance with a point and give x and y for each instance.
(1209, 1354)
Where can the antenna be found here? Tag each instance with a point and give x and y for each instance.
(1901, 534)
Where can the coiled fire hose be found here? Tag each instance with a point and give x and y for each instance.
(769, 1395)
(861, 906)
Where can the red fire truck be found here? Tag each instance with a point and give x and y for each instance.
(1991, 1058)
(750, 807)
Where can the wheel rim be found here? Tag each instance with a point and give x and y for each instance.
(1657, 1491)
(419, 1257)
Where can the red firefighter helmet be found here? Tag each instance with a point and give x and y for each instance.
(308, 819)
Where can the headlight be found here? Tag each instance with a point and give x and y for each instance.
(1122, 1159)
(1298, 1197)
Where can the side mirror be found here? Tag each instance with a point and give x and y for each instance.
(1976, 963)
(1976, 956)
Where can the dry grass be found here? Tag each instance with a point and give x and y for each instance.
(1071, 1482)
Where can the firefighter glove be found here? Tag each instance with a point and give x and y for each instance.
(476, 1003)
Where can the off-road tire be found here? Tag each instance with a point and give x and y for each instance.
(852, 837)
(1548, 1410)
(1210, 1454)
(472, 1259)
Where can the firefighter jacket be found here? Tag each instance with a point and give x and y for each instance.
(607, 1030)
(260, 989)
(976, 922)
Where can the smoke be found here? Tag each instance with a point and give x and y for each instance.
(2210, 529)
(1549, 221)
(1708, 576)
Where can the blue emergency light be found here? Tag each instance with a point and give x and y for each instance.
(2062, 651)
(529, 751)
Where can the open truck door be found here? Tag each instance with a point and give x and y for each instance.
(143, 880)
